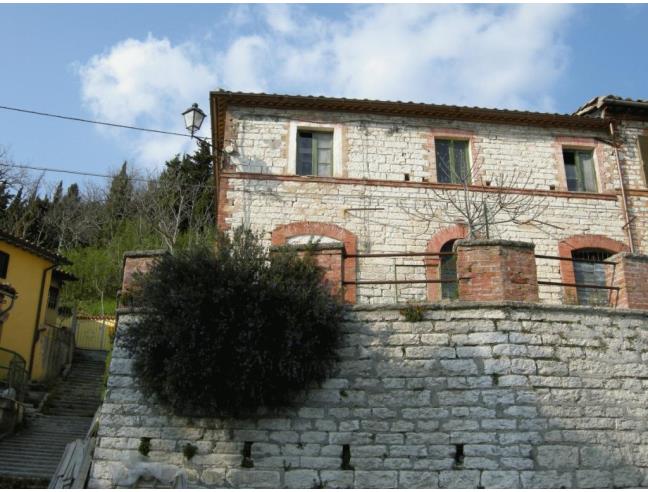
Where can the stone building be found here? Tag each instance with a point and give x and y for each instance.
(485, 392)
(372, 175)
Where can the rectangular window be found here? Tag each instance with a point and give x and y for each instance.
(4, 264)
(643, 149)
(452, 161)
(579, 170)
(52, 299)
(314, 153)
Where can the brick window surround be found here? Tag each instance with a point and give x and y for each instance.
(582, 241)
(454, 134)
(281, 235)
(434, 245)
(579, 143)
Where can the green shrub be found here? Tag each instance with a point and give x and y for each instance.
(230, 329)
(144, 447)
(413, 313)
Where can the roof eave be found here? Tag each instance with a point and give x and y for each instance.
(221, 99)
(34, 249)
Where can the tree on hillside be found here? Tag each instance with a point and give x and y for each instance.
(180, 201)
(119, 201)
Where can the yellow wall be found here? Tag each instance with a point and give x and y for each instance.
(25, 274)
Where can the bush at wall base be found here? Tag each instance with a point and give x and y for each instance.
(230, 329)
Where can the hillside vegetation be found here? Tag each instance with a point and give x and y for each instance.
(95, 225)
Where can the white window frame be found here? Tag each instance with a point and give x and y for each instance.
(297, 126)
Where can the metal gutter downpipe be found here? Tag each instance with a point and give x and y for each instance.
(624, 199)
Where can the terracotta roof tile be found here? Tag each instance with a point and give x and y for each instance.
(33, 248)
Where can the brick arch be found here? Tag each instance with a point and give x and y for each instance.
(281, 234)
(434, 245)
(581, 241)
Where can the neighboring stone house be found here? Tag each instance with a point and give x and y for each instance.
(356, 172)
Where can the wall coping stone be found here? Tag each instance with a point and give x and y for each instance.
(494, 242)
(629, 256)
(466, 306)
(144, 253)
(471, 305)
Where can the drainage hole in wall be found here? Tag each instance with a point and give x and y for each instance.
(459, 456)
(346, 457)
(247, 461)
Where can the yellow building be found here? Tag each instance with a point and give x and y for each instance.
(31, 329)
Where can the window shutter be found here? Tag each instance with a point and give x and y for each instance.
(324, 152)
(589, 175)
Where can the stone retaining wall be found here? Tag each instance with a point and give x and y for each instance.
(499, 395)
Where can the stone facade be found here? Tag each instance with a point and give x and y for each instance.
(475, 395)
(385, 175)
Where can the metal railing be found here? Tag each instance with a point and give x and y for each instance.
(13, 373)
(579, 294)
(580, 285)
(346, 256)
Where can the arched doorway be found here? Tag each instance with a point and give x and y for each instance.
(296, 233)
(448, 271)
(443, 242)
(587, 271)
(586, 247)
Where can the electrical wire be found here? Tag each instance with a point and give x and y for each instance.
(81, 173)
(95, 122)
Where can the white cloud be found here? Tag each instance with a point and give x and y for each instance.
(496, 56)
(244, 64)
(146, 83)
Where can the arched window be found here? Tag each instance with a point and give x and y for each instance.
(448, 271)
(302, 232)
(440, 267)
(586, 271)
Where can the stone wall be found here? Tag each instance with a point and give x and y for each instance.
(499, 395)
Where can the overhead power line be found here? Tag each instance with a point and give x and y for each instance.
(95, 122)
(81, 173)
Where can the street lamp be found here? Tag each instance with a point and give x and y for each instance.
(193, 117)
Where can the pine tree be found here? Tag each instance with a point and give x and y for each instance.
(119, 203)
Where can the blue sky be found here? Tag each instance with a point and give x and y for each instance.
(144, 64)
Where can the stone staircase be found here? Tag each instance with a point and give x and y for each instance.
(79, 394)
(34, 451)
